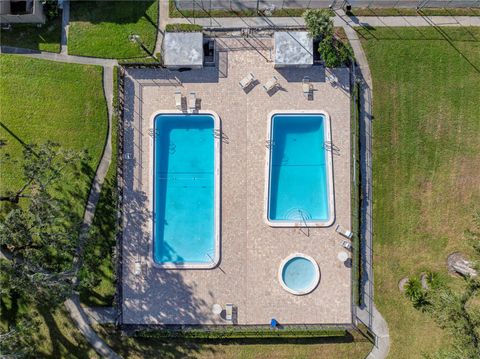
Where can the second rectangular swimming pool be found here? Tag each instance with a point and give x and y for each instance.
(300, 179)
(186, 190)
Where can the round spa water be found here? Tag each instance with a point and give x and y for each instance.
(299, 274)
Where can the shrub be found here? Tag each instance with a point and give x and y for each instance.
(50, 8)
(334, 52)
(232, 333)
(318, 22)
(435, 280)
(183, 28)
(415, 292)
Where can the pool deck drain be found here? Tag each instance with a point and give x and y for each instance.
(251, 251)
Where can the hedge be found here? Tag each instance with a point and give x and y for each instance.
(183, 28)
(240, 333)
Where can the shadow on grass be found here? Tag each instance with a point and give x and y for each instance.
(98, 259)
(347, 338)
(29, 36)
(23, 143)
(59, 340)
(189, 348)
(118, 12)
(431, 33)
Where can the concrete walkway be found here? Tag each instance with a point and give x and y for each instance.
(367, 312)
(100, 174)
(82, 322)
(101, 315)
(58, 57)
(73, 304)
(293, 22)
(65, 26)
(163, 19)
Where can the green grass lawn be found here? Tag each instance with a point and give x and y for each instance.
(45, 38)
(426, 164)
(101, 28)
(102, 239)
(43, 100)
(351, 346)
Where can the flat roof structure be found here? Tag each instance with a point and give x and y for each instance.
(293, 48)
(251, 251)
(183, 49)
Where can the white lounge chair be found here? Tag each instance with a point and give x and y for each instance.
(271, 84)
(344, 232)
(346, 245)
(229, 311)
(178, 100)
(247, 81)
(192, 101)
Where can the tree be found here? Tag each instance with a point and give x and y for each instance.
(16, 342)
(450, 310)
(334, 52)
(38, 241)
(42, 166)
(456, 310)
(319, 23)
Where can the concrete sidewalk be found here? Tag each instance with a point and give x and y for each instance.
(294, 22)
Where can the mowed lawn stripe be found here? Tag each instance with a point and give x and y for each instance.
(426, 146)
(102, 28)
(50, 101)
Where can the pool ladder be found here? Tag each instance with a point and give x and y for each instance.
(329, 146)
(304, 222)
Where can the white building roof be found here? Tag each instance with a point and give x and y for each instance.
(293, 48)
(183, 49)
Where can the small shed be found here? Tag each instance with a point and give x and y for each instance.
(293, 48)
(183, 49)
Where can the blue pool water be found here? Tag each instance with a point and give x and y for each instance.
(184, 203)
(299, 274)
(298, 184)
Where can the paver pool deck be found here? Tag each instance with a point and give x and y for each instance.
(251, 251)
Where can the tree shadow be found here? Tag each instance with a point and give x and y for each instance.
(59, 341)
(19, 140)
(151, 347)
(143, 283)
(118, 12)
(30, 36)
(448, 34)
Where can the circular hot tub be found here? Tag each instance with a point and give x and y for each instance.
(299, 274)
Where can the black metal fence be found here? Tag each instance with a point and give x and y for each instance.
(272, 5)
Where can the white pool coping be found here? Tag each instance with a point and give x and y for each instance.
(329, 162)
(307, 290)
(217, 179)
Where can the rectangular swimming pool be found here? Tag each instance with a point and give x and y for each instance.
(186, 190)
(300, 179)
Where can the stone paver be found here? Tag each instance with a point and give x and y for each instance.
(251, 251)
